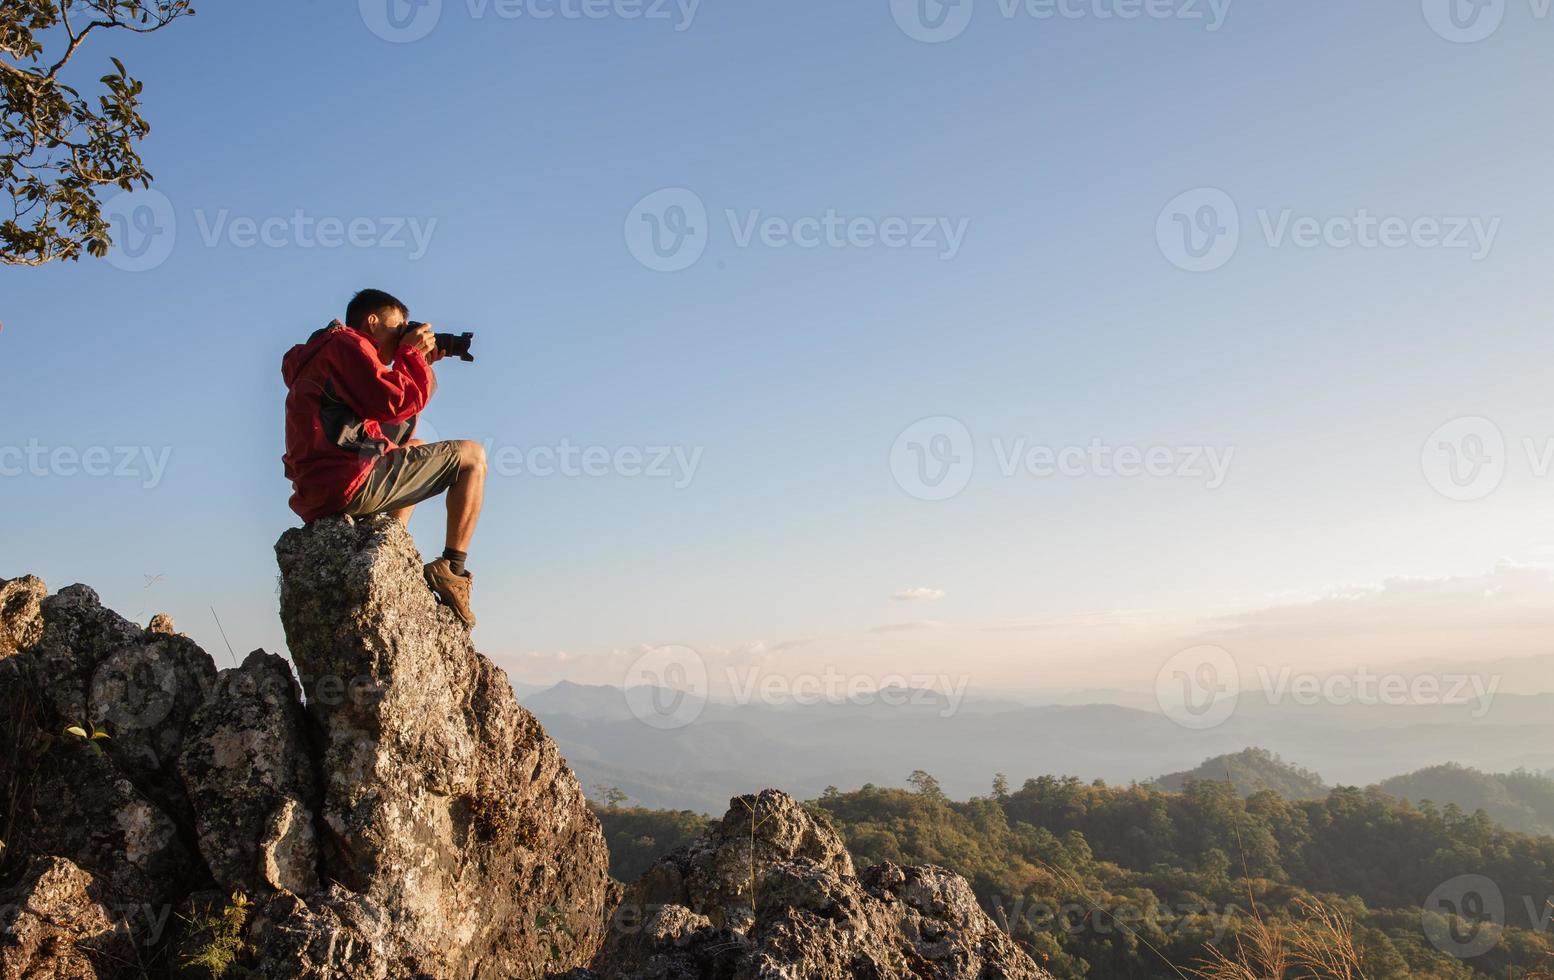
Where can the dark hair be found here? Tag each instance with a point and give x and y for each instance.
(370, 301)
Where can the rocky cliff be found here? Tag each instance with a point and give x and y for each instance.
(394, 814)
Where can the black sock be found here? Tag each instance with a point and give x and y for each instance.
(456, 560)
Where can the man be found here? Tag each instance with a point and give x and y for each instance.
(355, 391)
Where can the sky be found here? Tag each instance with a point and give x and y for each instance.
(1037, 340)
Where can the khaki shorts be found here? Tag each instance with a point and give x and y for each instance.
(406, 476)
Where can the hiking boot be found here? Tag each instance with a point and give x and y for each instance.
(452, 589)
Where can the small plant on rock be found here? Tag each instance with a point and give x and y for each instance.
(90, 732)
(216, 940)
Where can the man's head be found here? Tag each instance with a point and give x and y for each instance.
(376, 314)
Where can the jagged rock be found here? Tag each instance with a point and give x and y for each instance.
(144, 694)
(447, 810)
(412, 821)
(336, 934)
(78, 633)
(54, 926)
(109, 805)
(251, 782)
(769, 892)
(21, 613)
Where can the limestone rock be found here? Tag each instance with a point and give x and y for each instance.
(21, 613)
(109, 809)
(445, 804)
(250, 780)
(769, 892)
(54, 926)
(410, 821)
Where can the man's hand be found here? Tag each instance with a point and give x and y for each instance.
(424, 340)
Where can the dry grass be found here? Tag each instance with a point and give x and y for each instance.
(1321, 947)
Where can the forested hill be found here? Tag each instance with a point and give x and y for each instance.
(1101, 881)
(1520, 800)
(1251, 771)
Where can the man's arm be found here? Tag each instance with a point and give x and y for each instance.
(383, 393)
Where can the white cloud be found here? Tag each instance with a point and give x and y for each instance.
(919, 595)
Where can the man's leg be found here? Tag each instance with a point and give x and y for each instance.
(402, 515)
(466, 495)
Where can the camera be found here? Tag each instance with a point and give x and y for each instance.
(449, 344)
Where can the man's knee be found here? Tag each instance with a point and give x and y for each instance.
(472, 458)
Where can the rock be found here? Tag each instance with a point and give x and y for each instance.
(447, 811)
(144, 694)
(162, 623)
(83, 807)
(769, 892)
(337, 935)
(54, 926)
(410, 821)
(251, 782)
(21, 613)
(111, 809)
(78, 633)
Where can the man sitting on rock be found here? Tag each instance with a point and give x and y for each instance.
(355, 391)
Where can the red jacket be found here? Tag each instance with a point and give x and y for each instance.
(344, 409)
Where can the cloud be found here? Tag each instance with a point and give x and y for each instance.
(919, 595)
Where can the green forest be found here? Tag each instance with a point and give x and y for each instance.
(1104, 881)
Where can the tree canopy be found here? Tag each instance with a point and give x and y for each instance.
(58, 146)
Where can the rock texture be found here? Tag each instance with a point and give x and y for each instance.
(101, 804)
(21, 613)
(246, 767)
(770, 892)
(395, 815)
(446, 809)
(56, 926)
(410, 820)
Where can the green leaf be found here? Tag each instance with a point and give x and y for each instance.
(76, 730)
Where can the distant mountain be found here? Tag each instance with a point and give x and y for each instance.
(1521, 800)
(728, 748)
(1251, 771)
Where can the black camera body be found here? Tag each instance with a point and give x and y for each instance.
(456, 345)
(449, 344)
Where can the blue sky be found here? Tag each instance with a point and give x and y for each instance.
(521, 148)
